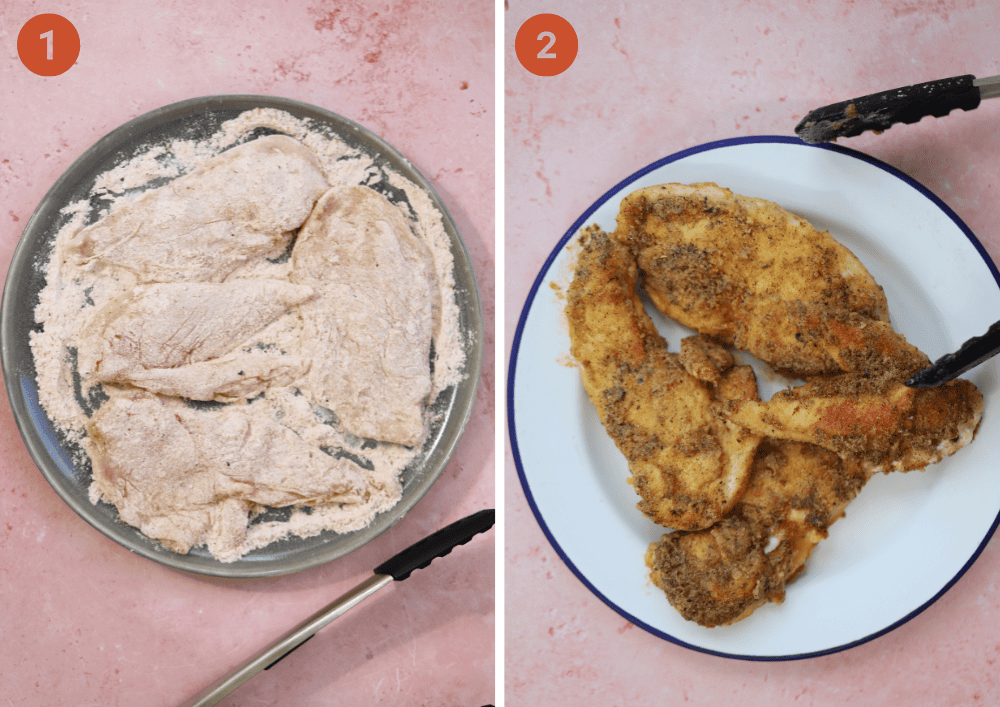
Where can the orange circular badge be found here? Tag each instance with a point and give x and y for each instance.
(546, 45)
(48, 45)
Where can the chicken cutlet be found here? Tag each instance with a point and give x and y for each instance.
(179, 338)
(184, 477)
(747, 273)
(888, 428)
(687, 465)
(753, 276)
(764, 280)
(200, 227)
(722, 574)
(374, 313)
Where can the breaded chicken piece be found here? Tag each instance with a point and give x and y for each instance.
(752, 274)
(747, 273)
(868, 415)
(704, 359)
(722, 574)
(893, 428)
(688, 465)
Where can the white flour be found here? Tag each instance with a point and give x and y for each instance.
(74, 291)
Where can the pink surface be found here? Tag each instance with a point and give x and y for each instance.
(83, 621)
(647, 83)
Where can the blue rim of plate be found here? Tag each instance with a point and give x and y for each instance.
(512, 378)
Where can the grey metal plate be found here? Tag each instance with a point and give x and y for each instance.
(197, 119)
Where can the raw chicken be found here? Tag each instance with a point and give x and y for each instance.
(373, 315)
(186, 477)
(170, 325)
(202, 226)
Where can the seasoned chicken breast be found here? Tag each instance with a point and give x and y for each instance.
(892, 428)
(765, 281)
(747, 273)
(754, 276)
(722, 574)
(688, 466)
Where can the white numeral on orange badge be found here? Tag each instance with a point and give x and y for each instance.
(47, 36)
(544, 54)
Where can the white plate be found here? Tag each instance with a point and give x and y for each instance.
(905, 540)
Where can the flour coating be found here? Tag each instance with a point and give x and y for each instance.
(186, 340)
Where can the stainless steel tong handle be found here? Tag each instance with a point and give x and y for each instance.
(397, 568)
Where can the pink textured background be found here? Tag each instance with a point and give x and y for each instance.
(652, 79)
(83, 621)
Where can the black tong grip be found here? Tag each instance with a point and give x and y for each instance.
(438, 544)
(951, 366)
(882, 110)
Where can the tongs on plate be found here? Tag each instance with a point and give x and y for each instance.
(908, 104)
(951, 366)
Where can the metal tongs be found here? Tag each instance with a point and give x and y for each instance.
(397, 568)
(951, 366)
(908, 104)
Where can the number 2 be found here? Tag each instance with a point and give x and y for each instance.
(544, 54)
(47, 36)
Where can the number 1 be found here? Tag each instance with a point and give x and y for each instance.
(47, 36)
(544, 54)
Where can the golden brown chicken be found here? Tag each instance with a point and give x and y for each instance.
(721, 575)
(891, 429)
(747, 273)
(688, 465)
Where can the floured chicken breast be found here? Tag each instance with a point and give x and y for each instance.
(187, 477)
(202, 226)
(173, 325)
(211, 371)
(688, 466)
(229, 378)
(373, 315)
